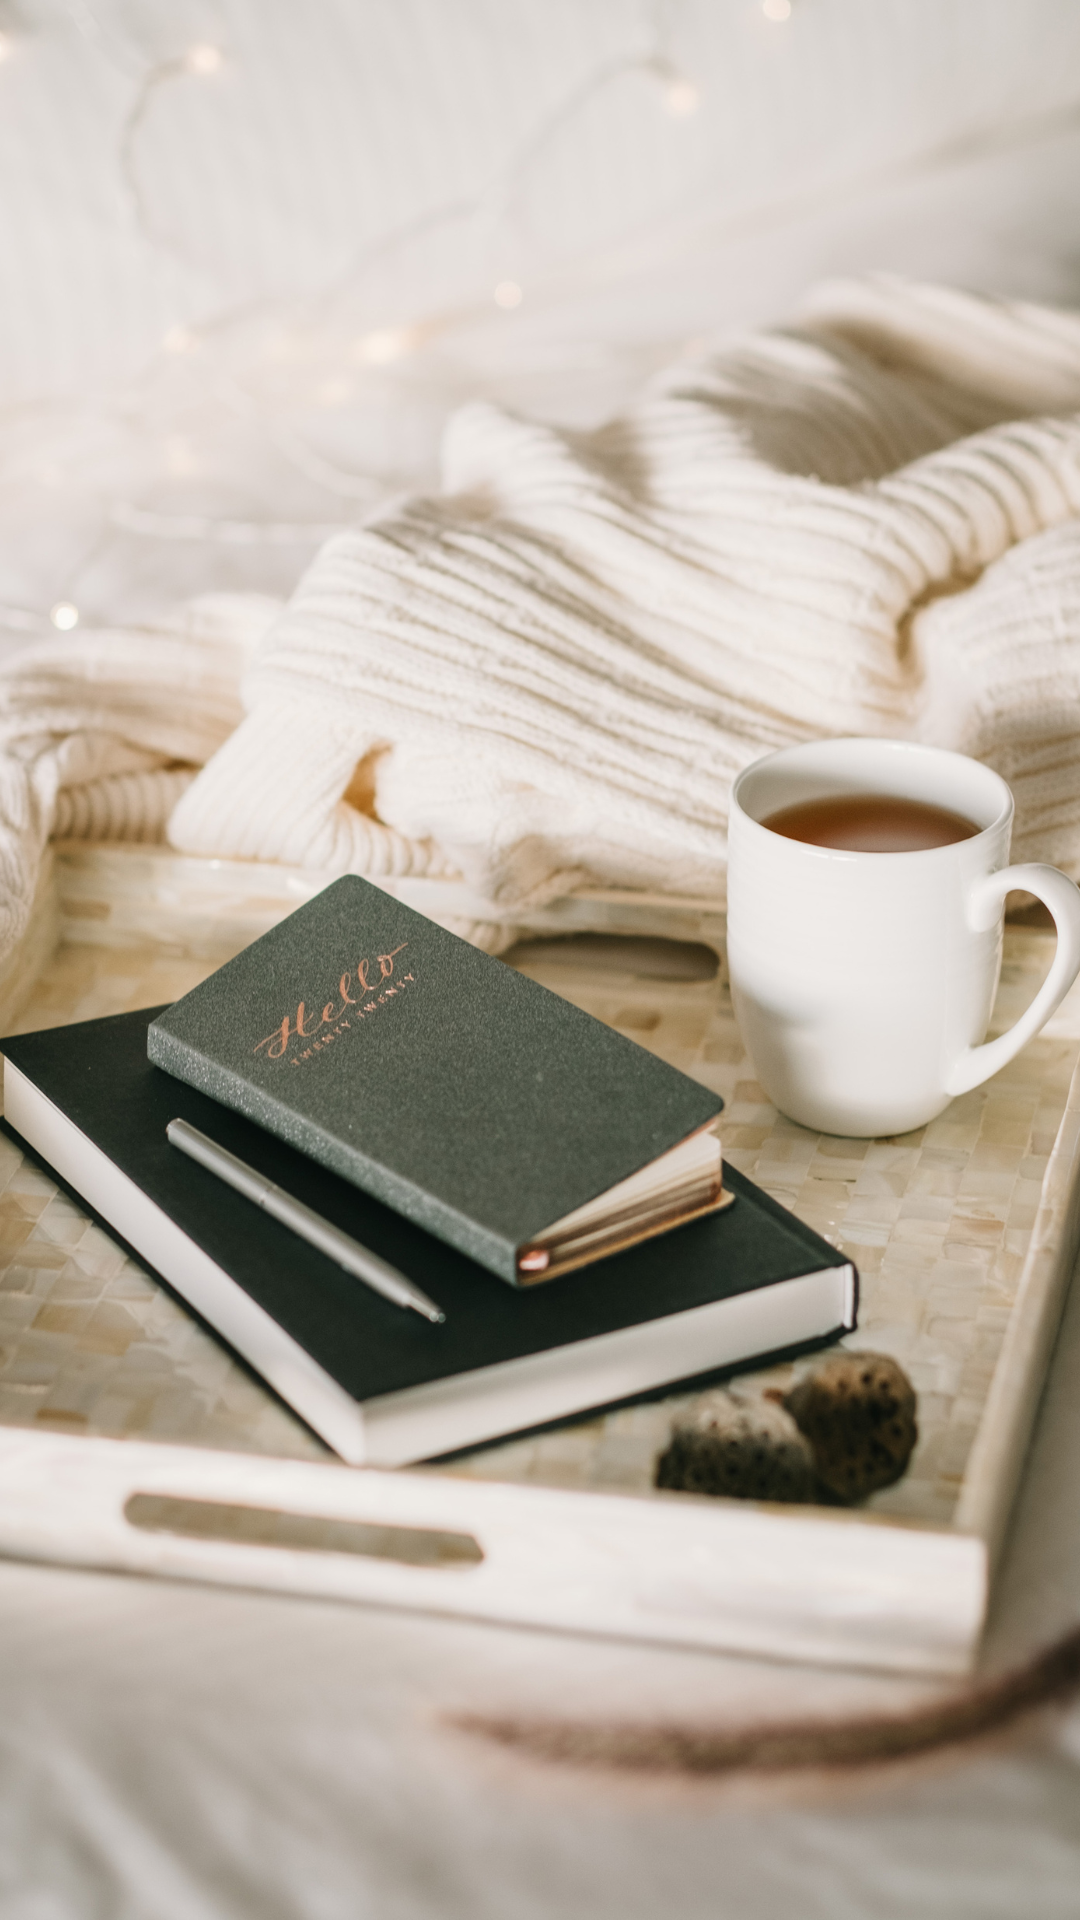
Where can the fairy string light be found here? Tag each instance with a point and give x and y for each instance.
(353, 345)
(491, 211)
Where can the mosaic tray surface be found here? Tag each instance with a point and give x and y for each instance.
(937, 1221)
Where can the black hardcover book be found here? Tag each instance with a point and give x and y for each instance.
(478, 1104)
(379, 1383)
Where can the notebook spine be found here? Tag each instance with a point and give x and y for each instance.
(185, 1062)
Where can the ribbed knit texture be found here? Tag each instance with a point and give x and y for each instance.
(96, 731)
(549, 673)
(560, 663)
(124, 806)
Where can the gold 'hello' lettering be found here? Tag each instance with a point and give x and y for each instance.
(301, 1026)
(277, 1041)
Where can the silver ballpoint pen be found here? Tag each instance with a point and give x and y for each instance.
(301, 1220)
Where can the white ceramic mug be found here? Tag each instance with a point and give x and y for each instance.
(863, 982)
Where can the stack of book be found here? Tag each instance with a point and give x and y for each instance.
(361, 1115)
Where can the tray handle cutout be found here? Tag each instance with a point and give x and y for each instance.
(241, 1525)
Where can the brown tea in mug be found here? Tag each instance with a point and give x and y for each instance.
(871, 823)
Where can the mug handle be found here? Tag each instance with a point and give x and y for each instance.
(985, 903)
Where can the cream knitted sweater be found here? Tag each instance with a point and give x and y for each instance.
(549, 673)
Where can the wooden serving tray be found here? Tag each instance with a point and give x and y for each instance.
(130, 1437)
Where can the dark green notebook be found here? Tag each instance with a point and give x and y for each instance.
(379, 1383)
(467, 1097)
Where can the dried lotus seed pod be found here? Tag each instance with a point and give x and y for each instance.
(748, 1450)
(857, 1410)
